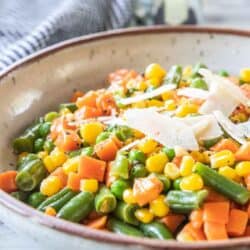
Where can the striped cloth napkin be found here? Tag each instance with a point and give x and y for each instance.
(27, 26)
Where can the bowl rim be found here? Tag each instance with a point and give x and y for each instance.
(91, 234)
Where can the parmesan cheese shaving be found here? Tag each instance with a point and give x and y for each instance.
(167, 131)
(232, 129)
(145, 96)
(193, 93)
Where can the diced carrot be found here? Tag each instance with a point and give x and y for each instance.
(98, 223)
(109, 178)
(89, 99)
(92, 168)
(177, 160)
(173, 221)
(146, 189)
(213, 196)
(50, 211)
(61, 175)
(223, 144)
(215, 231)
(117, 141)
(243, 153)
(68, 141)
(247, 232)
(196, 233)
(247, 181)
(7, 181)
(246, 89)
(76, 95)
(237, 222)
(216, 212)
(87, 112)
(106, 103)
(106, 150)
(196, 218)
(74, 181)
(248, 210)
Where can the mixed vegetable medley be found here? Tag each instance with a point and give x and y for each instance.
(164, 154)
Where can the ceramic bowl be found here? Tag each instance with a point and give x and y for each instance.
(40, 82)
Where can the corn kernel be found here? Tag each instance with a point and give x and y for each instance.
(207, 155)
(186, 109)
(144, 215)
(192, 182)
(183, 84)
(171, 171)
(128, 196)
(187, 71)
(90, 131)
(49, 163)
(245, 74)
(155, 82)
(89, 185)
(138, 134)
(170, 105)
(64, 111)
(198, 156)
(51, 185)
(158, 207)
(139, 105)
(42, 154)
(156, 163)
(142, 86)
(58, 157)
(222, 159)
(180, 151)
(71, 165)
(170, 94)
(228, 172)
(187, 164)
(155, 70)
(50, 211)
(154, 103)
(243, 168)
(148, 146)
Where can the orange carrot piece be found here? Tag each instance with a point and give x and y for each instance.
(196, 218)
(118, 143)
(243, 153)
(228, 144)
(146, 189)
(74, 181)
(213, 196)
(68, 141)
(76, 95)
(106, 150)
(215, 231)
(89, 99)
(106, 103)
(196, 233)
(246, 89)
(61, 175)
(173, 221)
(177, 160)
(247, 181)
(237, 222)
(247, 232)
(87, 112)
(216, 212)
(7, 181)
(98, 223)
(92, 168)
(248, 210)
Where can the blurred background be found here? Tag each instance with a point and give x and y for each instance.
(28, 26)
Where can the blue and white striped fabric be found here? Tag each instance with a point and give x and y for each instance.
(29, 25)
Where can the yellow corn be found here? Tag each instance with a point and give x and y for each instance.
(142, 86)
(156, 163)
(243, 168)
(245, 74)
(138, 134)
(171, 171)
(64, 111)
(139, 105)
(42, 154)
(158, 207)
(186, 109)
(49, 163)
(198, 156)
(207, 155)
(222, 159)
(89, 185)
(154, 103)
(155, 70)
(148, 146)
(128, 196)
(170, 94)
(50, 211)
(144, 215)
(187, 164)
(187, 71)
(192, 182)
(54, 160)
(51, 185)
(71, 165)
(170, 105)
(155, 82)
(228, 172)
(184, 236)
(90, 131)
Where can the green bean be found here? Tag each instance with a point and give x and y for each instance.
(137, 156)
(20, 195)
(223, 73)
(198, 83)
(169, 152)
(38, 145)
(31, 175)
(196, 69)
(105, 201)
(24, 160)
(48, 145)
(176, 183)
(44, 129)
(174, 75)
(34, 129)
(49, 117)
(24, 143)
(87, 151)
(70, 106)
(118, 186)
(156, 230)
(223, 185)
(120, 167)
(138, 171)
(185, 201)
(126, 213)
(122, 132)
(120, 227)
(210, 142)
(78, 207)
(53, 198)
(102, 136)
(35, 199)
(165, 181)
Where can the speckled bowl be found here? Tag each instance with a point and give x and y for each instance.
(40, 82)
